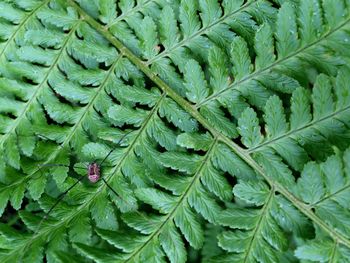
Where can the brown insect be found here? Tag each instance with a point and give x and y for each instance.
(93, 175)
(93, 172)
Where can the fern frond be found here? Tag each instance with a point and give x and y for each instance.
(258, 227)
(251, 244)
(327, 192)
(325, 188)
(185, 84)
(306, 135)
(178, 209)
(278, 69)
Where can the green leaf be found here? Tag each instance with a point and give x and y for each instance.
(248, 127)
(252, 192)
(10, 13)
(172, 244)
(149, 37)
(310, 184)
(204, 204)
(36, 187)
(239, 218)
(310, 20)
(229, 162)
(216, 183)
(146, 224)
(162, 134)
(95, 150)
(107, 10)
(334, 13)
(53, 39)
(188, 17)
(63, 19)
(195, 83)
(103, 214)
(215, 115)
(11, 152)
(300, 108)
(287, 32)
(315, 251)
(210, 11)
(36, 55)
(176, 115)
(157, 199)
(234, 241)
(240, 58)
(264, 46)
(4, 199)
(194, 141)
(169, 35)
(219, 79)
(80, 230)
(176, 184)
(127, 243)
(276, 123)
(186, 220)
(181, 161)
(16, 197)
(97, 254)
(322, 97)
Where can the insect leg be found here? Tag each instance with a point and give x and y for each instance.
(110, 188)
(59, 199)
(57, 164)
(40, 166)
(121, 139)
(41, 172)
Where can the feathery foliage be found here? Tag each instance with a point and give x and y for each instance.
(234, 117)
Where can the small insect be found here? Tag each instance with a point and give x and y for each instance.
(93, 174)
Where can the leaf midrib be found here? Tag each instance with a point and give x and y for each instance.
(20, 25)
(296, 131)
(40, 86)
(33, 98)
(276, 63)
(346, 187)
(259, 223)
(182, 198)
(123, 16)
(200, 32)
